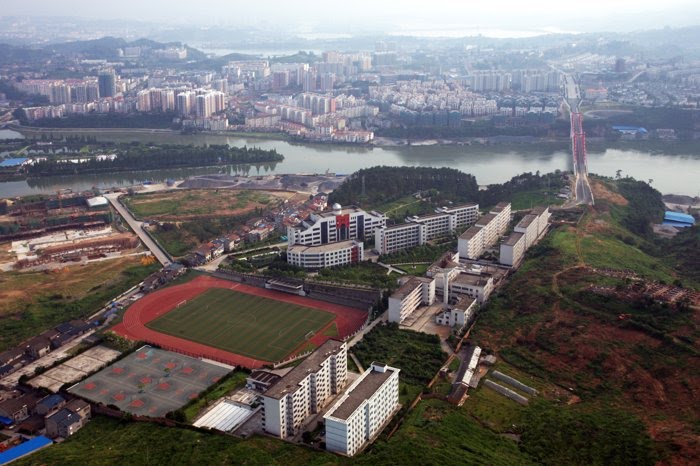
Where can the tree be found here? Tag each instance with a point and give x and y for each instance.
(618, 174)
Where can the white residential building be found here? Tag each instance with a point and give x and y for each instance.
(513, 249)
(339, 224)
(305, 389)
(360, 415)
(458, 315)
(388, 240)
(485, 232)
(477, 286)
(528, 227)
(420, 229)
(415, 292)
(326, 255)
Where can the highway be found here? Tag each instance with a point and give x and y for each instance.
(572, 98)
(138, 229)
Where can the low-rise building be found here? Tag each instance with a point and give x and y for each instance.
(410, 296)
(457, 315)
(68, 420)
(305, 390)
(477, 286)
(326, 255)
(359, 416)
(528, 227)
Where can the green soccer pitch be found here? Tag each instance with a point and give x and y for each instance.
(252, 326)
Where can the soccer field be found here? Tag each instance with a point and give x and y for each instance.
(244, 324)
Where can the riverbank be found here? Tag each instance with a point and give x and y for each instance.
(673, 166)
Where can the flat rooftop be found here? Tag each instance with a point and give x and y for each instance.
(290, 382)
(423, 218)
(461, 206)
(408, 287)
(513, 239)
(526, 221)
(322, 247)
(469, 279)
(470, 233)
(401, 226)
(500, 207)
(539, 210)
(485, 219)
(366, 387)
(345, 210)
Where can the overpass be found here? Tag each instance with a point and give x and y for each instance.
(572, 97)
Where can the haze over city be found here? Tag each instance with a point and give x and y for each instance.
(299, 233)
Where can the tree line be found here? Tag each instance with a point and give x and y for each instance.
(145, 157)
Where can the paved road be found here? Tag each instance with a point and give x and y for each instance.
(137, 226)
(572, 98)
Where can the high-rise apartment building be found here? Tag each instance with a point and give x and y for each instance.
(107, 82)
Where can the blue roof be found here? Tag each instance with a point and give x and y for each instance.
(13, 162)
(30, 446)
(52, 400)
(6, 421)
(637, 129)
(679, 217)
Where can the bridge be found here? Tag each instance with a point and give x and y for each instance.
(572, 97)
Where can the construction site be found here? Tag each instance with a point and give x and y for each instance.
(49, 232)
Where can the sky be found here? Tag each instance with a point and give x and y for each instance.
(385, 15)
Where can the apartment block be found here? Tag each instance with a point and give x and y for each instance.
(415, 292)
(388, 240)
(485, 232)
(513, 249)
(305, 390)
(360, 415)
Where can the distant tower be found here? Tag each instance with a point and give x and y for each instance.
(620, 65)
(107, 83)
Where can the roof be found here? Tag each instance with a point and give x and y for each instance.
(408, 287)
(15, 162)
(513, 239)
(464, 303)
(539, 210)
(224, 416)
(329, 247)
(402, 226)
(24, 449)
(470, 233)
(469, 279)
(461, 206)
(290, 382)
(636, 129)
(264, 377)
(370, 381)
(343, 211)
(97, 201)
(52, 401)
(485, 219)
(65, 417)
(679, 217)
(500, 206)
(526, 221)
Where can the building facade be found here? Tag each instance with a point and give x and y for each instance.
(388, 240)
(359, 416)
(326, 255)
(340, 224)
(485, 232)
(305, 390)
(513, 249)
(415, 292)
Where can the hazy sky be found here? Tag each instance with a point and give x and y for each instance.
(349, 15)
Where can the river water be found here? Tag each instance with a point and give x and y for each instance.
(673, 169)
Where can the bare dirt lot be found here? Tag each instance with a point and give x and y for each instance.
(191, 204)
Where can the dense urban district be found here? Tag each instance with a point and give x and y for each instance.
(394, 315)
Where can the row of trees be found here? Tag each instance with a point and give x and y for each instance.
(144, 157)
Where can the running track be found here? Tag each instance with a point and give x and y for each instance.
(133, 326)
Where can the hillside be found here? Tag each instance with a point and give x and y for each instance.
(579, 314)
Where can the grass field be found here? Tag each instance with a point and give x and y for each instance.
(194, 203)
(31, 302)
(248, 325)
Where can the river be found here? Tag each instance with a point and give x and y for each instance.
(672, 170)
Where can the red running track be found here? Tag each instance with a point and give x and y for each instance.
(150, 307)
